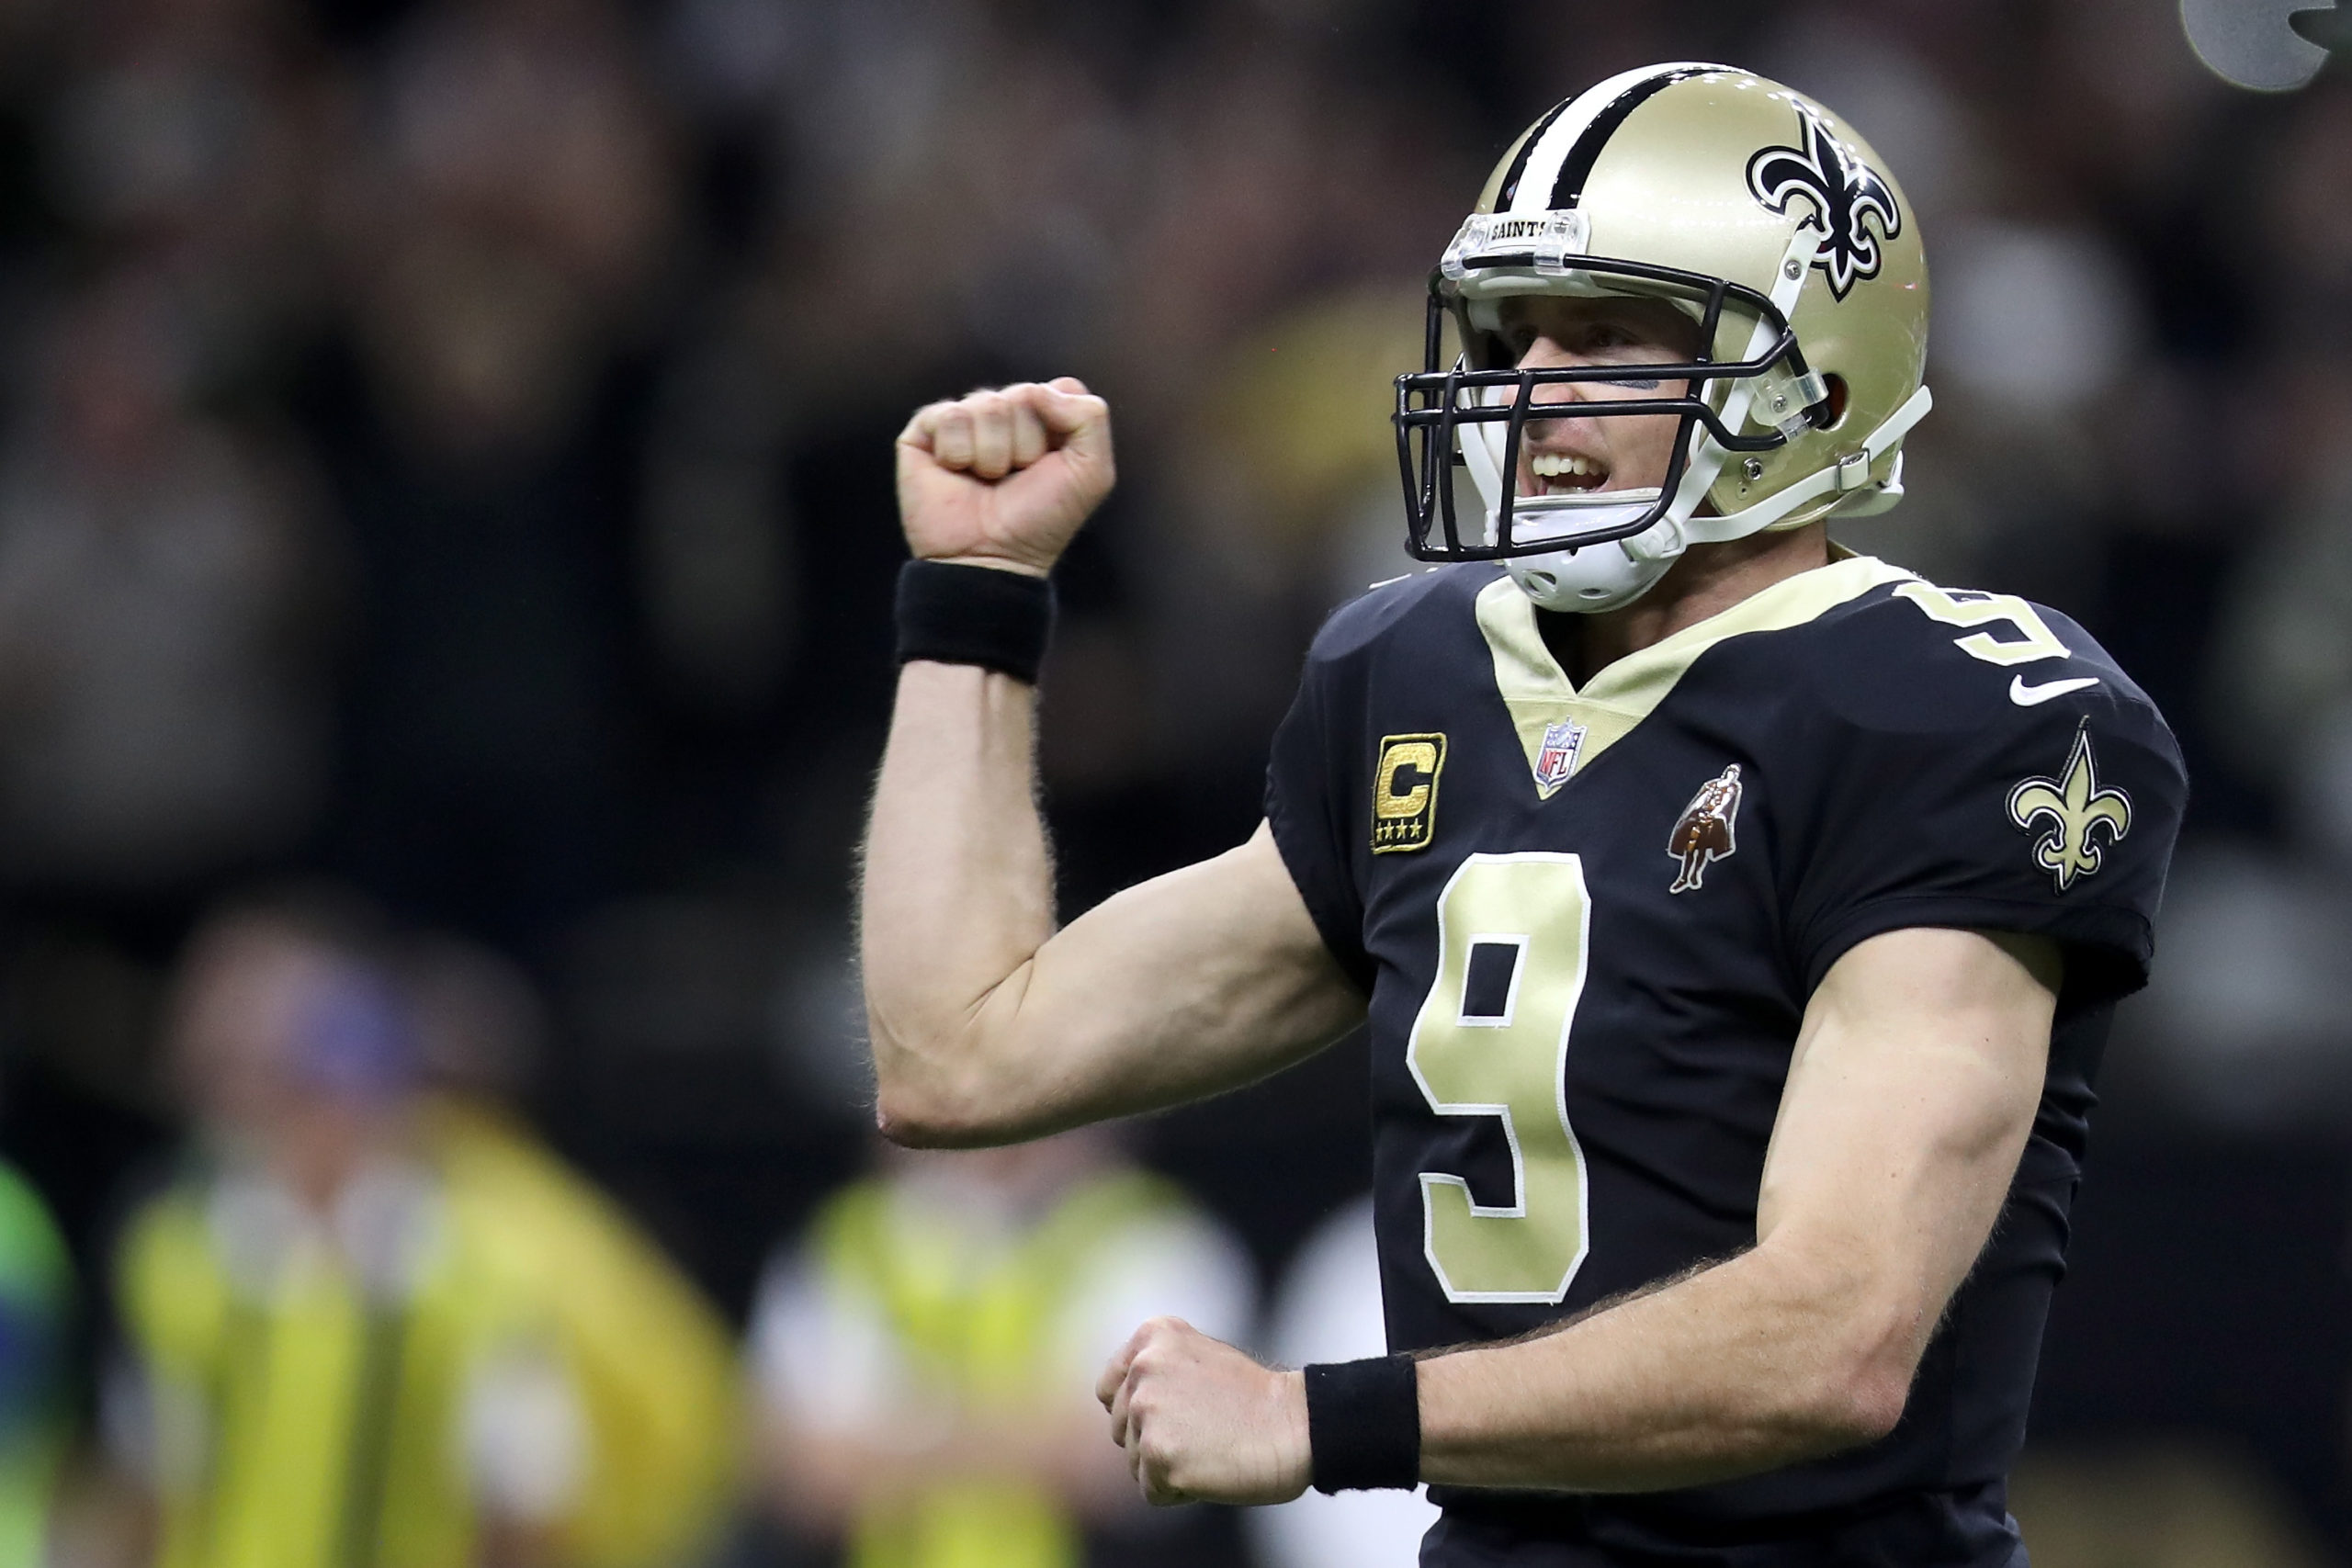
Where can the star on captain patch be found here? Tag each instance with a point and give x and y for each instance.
(1704, 831)
(1557, 758)
(2075, 808)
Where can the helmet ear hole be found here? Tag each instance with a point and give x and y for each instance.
(1838, 398)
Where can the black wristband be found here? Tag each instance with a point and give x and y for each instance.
(975, 614)
(1364, 1423)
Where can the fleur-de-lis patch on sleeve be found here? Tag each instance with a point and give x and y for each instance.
(2078, 813)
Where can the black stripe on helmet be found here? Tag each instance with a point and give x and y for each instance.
(1575, 169)
(1526, 150)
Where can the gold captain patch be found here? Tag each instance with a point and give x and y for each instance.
(1403, 791)
(2075, 808)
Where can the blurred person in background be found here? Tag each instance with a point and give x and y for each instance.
(920, 1356)
(368, 1327)
(163, 619)
(186, 139)
(655, 1365)
(36, 1331)
(501, 210)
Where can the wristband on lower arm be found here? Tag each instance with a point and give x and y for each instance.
(1364, 1423)
(974, 615)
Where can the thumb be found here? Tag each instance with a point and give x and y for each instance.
(1079, 420)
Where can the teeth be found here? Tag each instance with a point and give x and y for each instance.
(1553, 465)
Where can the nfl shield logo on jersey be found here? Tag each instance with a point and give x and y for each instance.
(1557, 758)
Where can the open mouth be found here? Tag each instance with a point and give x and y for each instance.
(1564, 473)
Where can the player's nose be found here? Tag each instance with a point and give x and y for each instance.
(1545, 353)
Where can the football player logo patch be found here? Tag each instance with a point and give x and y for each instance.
(2078, 813)
(1557, 758)
(1403, 791)
(1705, 832)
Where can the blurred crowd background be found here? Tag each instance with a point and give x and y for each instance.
(446, 548)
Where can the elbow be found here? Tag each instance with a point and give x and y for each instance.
(937, 1117)
(1864, 1377)
(915, 1106)
(1849, 1346)
(1857, 1409)
(916, 1122)
(941, 1090)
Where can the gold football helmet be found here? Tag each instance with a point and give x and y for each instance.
(1760, 215)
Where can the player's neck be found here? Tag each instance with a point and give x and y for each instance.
(1706, 580)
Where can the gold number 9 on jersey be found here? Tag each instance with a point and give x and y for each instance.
(1492, 1040)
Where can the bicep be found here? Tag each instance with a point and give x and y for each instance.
(1197, 981)
(1911, 1092)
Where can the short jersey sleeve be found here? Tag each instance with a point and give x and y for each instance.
(1318, 779)
(1943, 799)
(1309, 786)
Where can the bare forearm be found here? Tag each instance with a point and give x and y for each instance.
(1753, 1364)
(957, 891)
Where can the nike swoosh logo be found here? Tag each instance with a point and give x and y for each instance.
(2027, 696)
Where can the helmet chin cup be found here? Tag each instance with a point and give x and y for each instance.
(1595, 578)
(1591, 577)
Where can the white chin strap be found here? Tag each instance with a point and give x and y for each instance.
(1612, 575)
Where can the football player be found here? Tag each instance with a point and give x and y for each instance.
(1737, 921)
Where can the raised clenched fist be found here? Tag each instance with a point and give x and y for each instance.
(1004, 477)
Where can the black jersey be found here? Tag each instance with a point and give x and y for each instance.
(1589, 922)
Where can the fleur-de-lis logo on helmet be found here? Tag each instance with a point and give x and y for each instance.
(1843, 190)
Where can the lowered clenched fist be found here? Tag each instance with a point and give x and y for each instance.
(1004, 477)
(1203, 1423)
